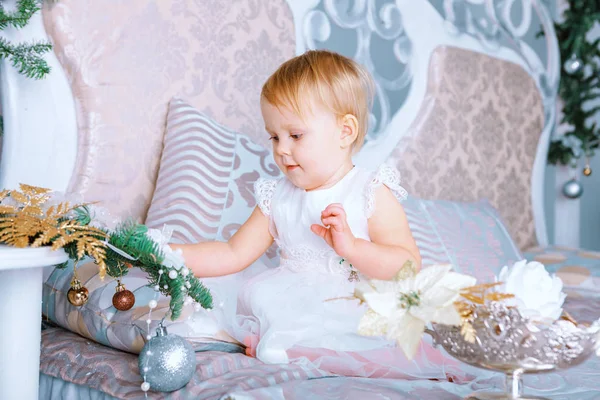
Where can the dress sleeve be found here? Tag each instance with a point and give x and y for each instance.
(264, 189)
(385, 175)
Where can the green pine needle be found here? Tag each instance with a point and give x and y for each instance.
(131, 238)
(21, 16)
(583, 86)
(27, 58)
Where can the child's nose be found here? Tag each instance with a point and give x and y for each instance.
(283, 147)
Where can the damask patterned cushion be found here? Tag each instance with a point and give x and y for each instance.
(471, 236)
(475, 137)
(204, 192)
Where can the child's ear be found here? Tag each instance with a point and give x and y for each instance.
(349, 133)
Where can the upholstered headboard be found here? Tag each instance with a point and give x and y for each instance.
(464, 108)
(126, 61)
(475, 137)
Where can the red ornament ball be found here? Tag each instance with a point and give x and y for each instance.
(123, 299)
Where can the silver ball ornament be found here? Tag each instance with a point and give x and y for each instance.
(168, 360)
(573, 64)
(572, 189)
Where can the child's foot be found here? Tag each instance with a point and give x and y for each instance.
(272, 355)
(250, 342)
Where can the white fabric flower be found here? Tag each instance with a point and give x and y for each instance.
(173, 258)
(538, 295)
(402, 308)
(101, 218)
(160, 236)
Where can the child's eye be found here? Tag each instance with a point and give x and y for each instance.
(296, 136)
(274, 138)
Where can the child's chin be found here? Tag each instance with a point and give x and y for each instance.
(298, 181)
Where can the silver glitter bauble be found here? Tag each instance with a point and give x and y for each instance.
(167, 361)
(572, 189)
(573, 64)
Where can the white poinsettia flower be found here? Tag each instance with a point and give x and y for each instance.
(401, 309)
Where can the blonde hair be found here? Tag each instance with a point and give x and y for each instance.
(335, 81)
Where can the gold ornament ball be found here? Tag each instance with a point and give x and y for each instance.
(78, 296)
(123, 299)
(587, 171)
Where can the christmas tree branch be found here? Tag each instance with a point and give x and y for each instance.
(27, 58)
(579, 83)
(21, 16)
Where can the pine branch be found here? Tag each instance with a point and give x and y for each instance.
(30, 221)
(132, 239)
(27, 58)
(21, 16)
(580, 86)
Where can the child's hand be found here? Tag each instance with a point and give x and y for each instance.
(335, 231)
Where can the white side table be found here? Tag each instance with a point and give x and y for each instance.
(21, 272)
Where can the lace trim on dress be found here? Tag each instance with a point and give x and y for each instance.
(305, 258)
(388, 176)
(264, 189)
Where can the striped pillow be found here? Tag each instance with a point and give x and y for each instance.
(204, 189)
(471, 236)
(195, 171)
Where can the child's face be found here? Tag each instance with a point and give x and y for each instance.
(309, 151)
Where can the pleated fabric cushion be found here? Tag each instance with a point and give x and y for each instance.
(469, 235)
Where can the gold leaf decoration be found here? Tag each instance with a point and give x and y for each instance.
(26, 224)
(407, 271)
(477, 296)
(567, 317)
(467, 331)
(474, 298)
(498, 296)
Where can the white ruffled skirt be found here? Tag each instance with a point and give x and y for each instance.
(308, 317)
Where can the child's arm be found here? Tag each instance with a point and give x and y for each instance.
(391, 245)
(223, 258)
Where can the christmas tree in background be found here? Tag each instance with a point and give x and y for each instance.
(579, 84)
(25, 57)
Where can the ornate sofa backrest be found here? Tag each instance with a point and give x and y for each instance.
(464, 108)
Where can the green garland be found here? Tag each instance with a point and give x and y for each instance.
(26, 219)
(579, 84)
(142, 252)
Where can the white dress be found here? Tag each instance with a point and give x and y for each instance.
(300, 311)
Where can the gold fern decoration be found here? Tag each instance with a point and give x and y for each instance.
(476, 296)
(23, 223)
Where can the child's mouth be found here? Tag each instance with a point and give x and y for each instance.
(292, 167)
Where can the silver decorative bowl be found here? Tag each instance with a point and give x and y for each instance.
(505, 341)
